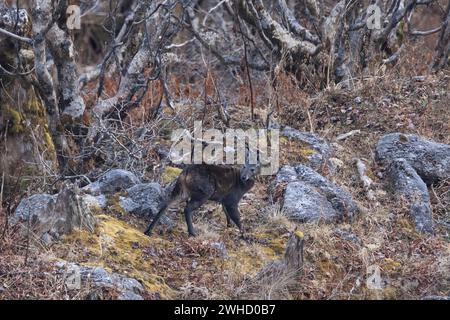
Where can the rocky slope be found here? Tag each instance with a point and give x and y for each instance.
(343, 206)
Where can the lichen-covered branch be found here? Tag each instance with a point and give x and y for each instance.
(42, 15)
(70, 102)
(275, 35)
(294, 25)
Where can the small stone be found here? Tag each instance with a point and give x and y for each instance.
(347, 235)
(47, 239)
(419, 78)
(336, 163)
(221, 249)
(129, 288)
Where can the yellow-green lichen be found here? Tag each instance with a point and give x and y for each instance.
(113, 203)
(49, 141)
(403, 138)
(34, 107)
(13, 119)
(390, 264)
(283, 140)
(277, 245)
(248, 260)
(307, 152)
(299, 234)
(399, 32)
(169, 174)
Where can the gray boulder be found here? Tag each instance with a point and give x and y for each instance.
(310, 196)
(302, 202)
(113, 181)
(285, 175)
(144, 199)
(129, 288)
(54, 215)
(407, 185)
(430, 159)
(340, 199)
(35, 205)
(98, 201)
(313, 141)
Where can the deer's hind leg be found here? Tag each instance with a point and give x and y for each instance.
(193, 204)
(155, 220)
(227, 215)
(233, 213)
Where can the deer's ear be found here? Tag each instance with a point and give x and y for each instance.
(251, 156)
(247, 152)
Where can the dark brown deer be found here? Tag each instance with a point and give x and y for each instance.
(200, 183)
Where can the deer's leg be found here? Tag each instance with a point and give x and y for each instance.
(227, 215)
(155, 221)
(235, 215)
(191, 206)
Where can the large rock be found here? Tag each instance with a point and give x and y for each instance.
(413, 163)
(54, 215)
(98, 201)
(302, 202)
(144, 199)
(322, 149)
(310, 196)
(113, 181)
(128, 288)
(408, 186)
(430, 159)
(36, 205)
(340, 199)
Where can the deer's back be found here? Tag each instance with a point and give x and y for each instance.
(209, 179)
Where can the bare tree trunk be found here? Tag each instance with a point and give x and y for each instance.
(443, 46)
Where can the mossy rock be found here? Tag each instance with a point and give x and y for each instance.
(118, 247)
